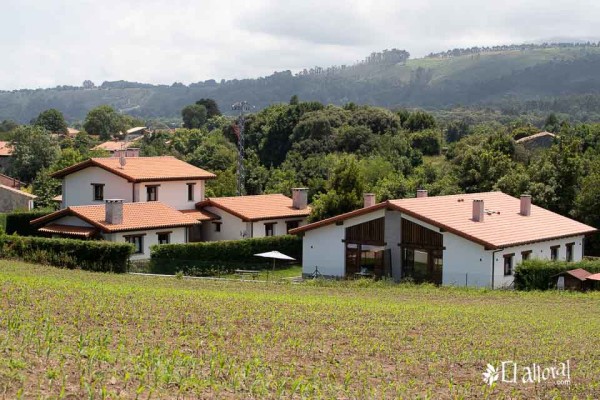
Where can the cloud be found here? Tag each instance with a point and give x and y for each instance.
(45, 43)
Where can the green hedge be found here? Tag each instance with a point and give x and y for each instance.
(210, 258)
(68, 253)
(19, 222)
(537, 274)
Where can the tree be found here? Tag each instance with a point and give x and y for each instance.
(87, 84)
(552, 124)
(45, 188)
(456, 130)
(344, 191)
(212, 109)
(52, 120)
(104, 121)
(428, 141)
(419, 121)
(194, 116)
(294, 100)
(8, 125)
(33, 149)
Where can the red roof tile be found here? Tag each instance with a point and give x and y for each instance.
(69, 230)
(200, 215)
(578, 273)
(136, 216)
(257, 207)
(142, 169)
(5, 149)
(502, 226)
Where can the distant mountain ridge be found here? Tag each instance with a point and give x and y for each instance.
(475, 76)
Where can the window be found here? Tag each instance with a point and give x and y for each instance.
(289, 225)
(569, 248)
(190, 193)
(554, 252)
(164, 237)
(217, 226)
(270, 229)
(98, 191)
(526, 255)
(151, 193)
(137, 241)
(508, 264)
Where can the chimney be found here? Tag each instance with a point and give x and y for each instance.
(300, 198)
(421, 193)
(526, 205)
(114, 211)
(478, 210)
(369, 199)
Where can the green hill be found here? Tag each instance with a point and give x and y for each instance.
(548, 76)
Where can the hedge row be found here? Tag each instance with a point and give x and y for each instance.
(18, 222)
(537, 274)
(208, 258)
(68, 253)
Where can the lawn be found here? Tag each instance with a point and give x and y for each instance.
(79, 334)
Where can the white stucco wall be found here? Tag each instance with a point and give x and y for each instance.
(465, 262)
(77, 189)
(70, 220)
(323, 247)
(232, 227)
(178, 235)
(172, 193)
(393, 236)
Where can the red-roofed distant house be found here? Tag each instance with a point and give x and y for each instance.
(5, 155)
(465, 240)
(254, 216)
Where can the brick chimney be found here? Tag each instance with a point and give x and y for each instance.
(300, 198)
(478, 210)
(421, 193)
(369, 199)
(525, 205)
(114, 211)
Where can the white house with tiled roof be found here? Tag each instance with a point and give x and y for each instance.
(133, 179)
(466, 240)
(254, 216)
(142, 224)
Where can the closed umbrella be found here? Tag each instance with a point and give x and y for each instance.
(275, 255)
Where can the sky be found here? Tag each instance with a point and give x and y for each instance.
(45, 43)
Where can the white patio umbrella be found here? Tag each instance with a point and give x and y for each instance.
(275, 255)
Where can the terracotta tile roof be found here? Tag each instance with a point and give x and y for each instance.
(200, 215)
(22, 193)
(5, 149)
(142, 169)
(593, 277)
(69, 230)
(136, 216)
(503, 226)
(257, 207)
(578, 273)
(12, 182)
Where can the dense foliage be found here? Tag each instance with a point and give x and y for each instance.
(205, 257)
(537, 274)
(88, 255)
(19, 222)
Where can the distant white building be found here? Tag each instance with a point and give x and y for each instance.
(466, 240)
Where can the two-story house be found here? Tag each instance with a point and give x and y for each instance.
(141, 200)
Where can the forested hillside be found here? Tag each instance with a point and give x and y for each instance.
(512, 79)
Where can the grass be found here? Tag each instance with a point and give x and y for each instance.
(2, 222)
(75, 334)
(268, 274)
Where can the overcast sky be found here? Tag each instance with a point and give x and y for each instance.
(45, 43)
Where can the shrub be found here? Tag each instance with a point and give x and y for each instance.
(68, 253)
(19, 222)
(208, 258)
(537, 274)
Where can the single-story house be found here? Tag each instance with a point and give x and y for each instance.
(142, 224)
(115, 146)
(541, 140)
(12, 199)
(466, 239)
(11, 182)
(254, 216)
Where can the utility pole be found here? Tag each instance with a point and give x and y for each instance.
(240, 106)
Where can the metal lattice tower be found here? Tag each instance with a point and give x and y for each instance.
(240, 106)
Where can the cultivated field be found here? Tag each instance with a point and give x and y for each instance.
(72, 334)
